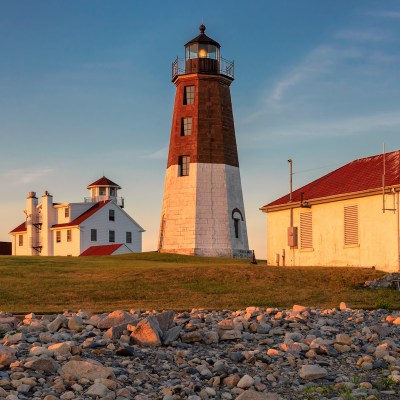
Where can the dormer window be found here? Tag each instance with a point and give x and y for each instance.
(66, 212)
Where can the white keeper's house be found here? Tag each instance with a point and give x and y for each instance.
(97, 226)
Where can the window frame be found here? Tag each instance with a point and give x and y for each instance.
(111, 215)
(20, 240)
(188, 95)
(111, 236)
(183, 165)
(66, 212)
(93, 235)
(128, 237)
(186, 126)
(69, 235)
(58, 236)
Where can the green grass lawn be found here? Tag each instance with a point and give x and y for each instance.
(159, 281)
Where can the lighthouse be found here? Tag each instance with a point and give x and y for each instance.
(203, 210)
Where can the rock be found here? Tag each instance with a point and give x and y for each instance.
(60, 349)
(44, 364)
(229, 334)
(343, 306)
(231, 380)
(115, 318)
(55, 325)
(171, 335)
(191, 337)
(127, 351)
(75, 323)
(344, 338)
(89, 369)
(147, 332)
(165, 320)
(7, 355)
(245, 382)
(14, 339)
(210, 337)
(115, 332)
(8, 323)
(99, 390)
(312, 372)
(253, 395)
(299, 308)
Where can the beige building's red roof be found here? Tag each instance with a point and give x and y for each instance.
(357, 176)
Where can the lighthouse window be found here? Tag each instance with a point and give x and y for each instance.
(183, 164)
(186, 126)
(102, 191)
(188, 95)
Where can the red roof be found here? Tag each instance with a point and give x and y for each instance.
(103, 181)
(83, 216)
(19, 228)
(356, 176)
(105, 250)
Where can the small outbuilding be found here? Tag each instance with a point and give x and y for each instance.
(349, 217)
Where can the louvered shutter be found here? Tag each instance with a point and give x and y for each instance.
(306, 230)
(351, 225)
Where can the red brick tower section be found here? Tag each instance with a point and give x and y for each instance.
(203, 211)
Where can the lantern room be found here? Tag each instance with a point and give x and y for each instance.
(202, 54)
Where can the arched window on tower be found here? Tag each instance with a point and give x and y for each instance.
(237, 216)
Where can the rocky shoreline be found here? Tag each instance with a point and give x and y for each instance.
(251, 354)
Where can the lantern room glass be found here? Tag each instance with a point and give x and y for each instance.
(201, 50)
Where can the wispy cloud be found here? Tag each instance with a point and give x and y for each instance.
(363, 36)
(160, 154)
(23, 176)
(377, 123)
(386, 14)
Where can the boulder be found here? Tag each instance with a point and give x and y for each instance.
(232, 334)
(45, 364)
(147, 332)
(89, 369)
(7, 355)
(312, 372)
(60, 349)
(253, 395)
(75, 323)
(171, 335)
(245, 382)
(115, 318)
(98, 390)
(55, 325)
(115, 332)
(165, 320)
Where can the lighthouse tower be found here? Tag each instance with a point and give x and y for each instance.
(203, 211)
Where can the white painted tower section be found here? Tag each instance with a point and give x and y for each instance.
(208, 228)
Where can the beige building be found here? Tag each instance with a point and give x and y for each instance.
(341, 219)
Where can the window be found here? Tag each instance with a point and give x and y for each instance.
(186, 126)
(102, 191)
(128, 237)
(188, 95)
(69, 235)
(111, 215)
(306, 230)
(111, 236)
(66, 212)
(113, 191)
(58, 236)
(183, 165)
(237, 216)
(20, 240)
(351, 225)
(93, 235)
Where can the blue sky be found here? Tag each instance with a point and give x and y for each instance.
(85, 89)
